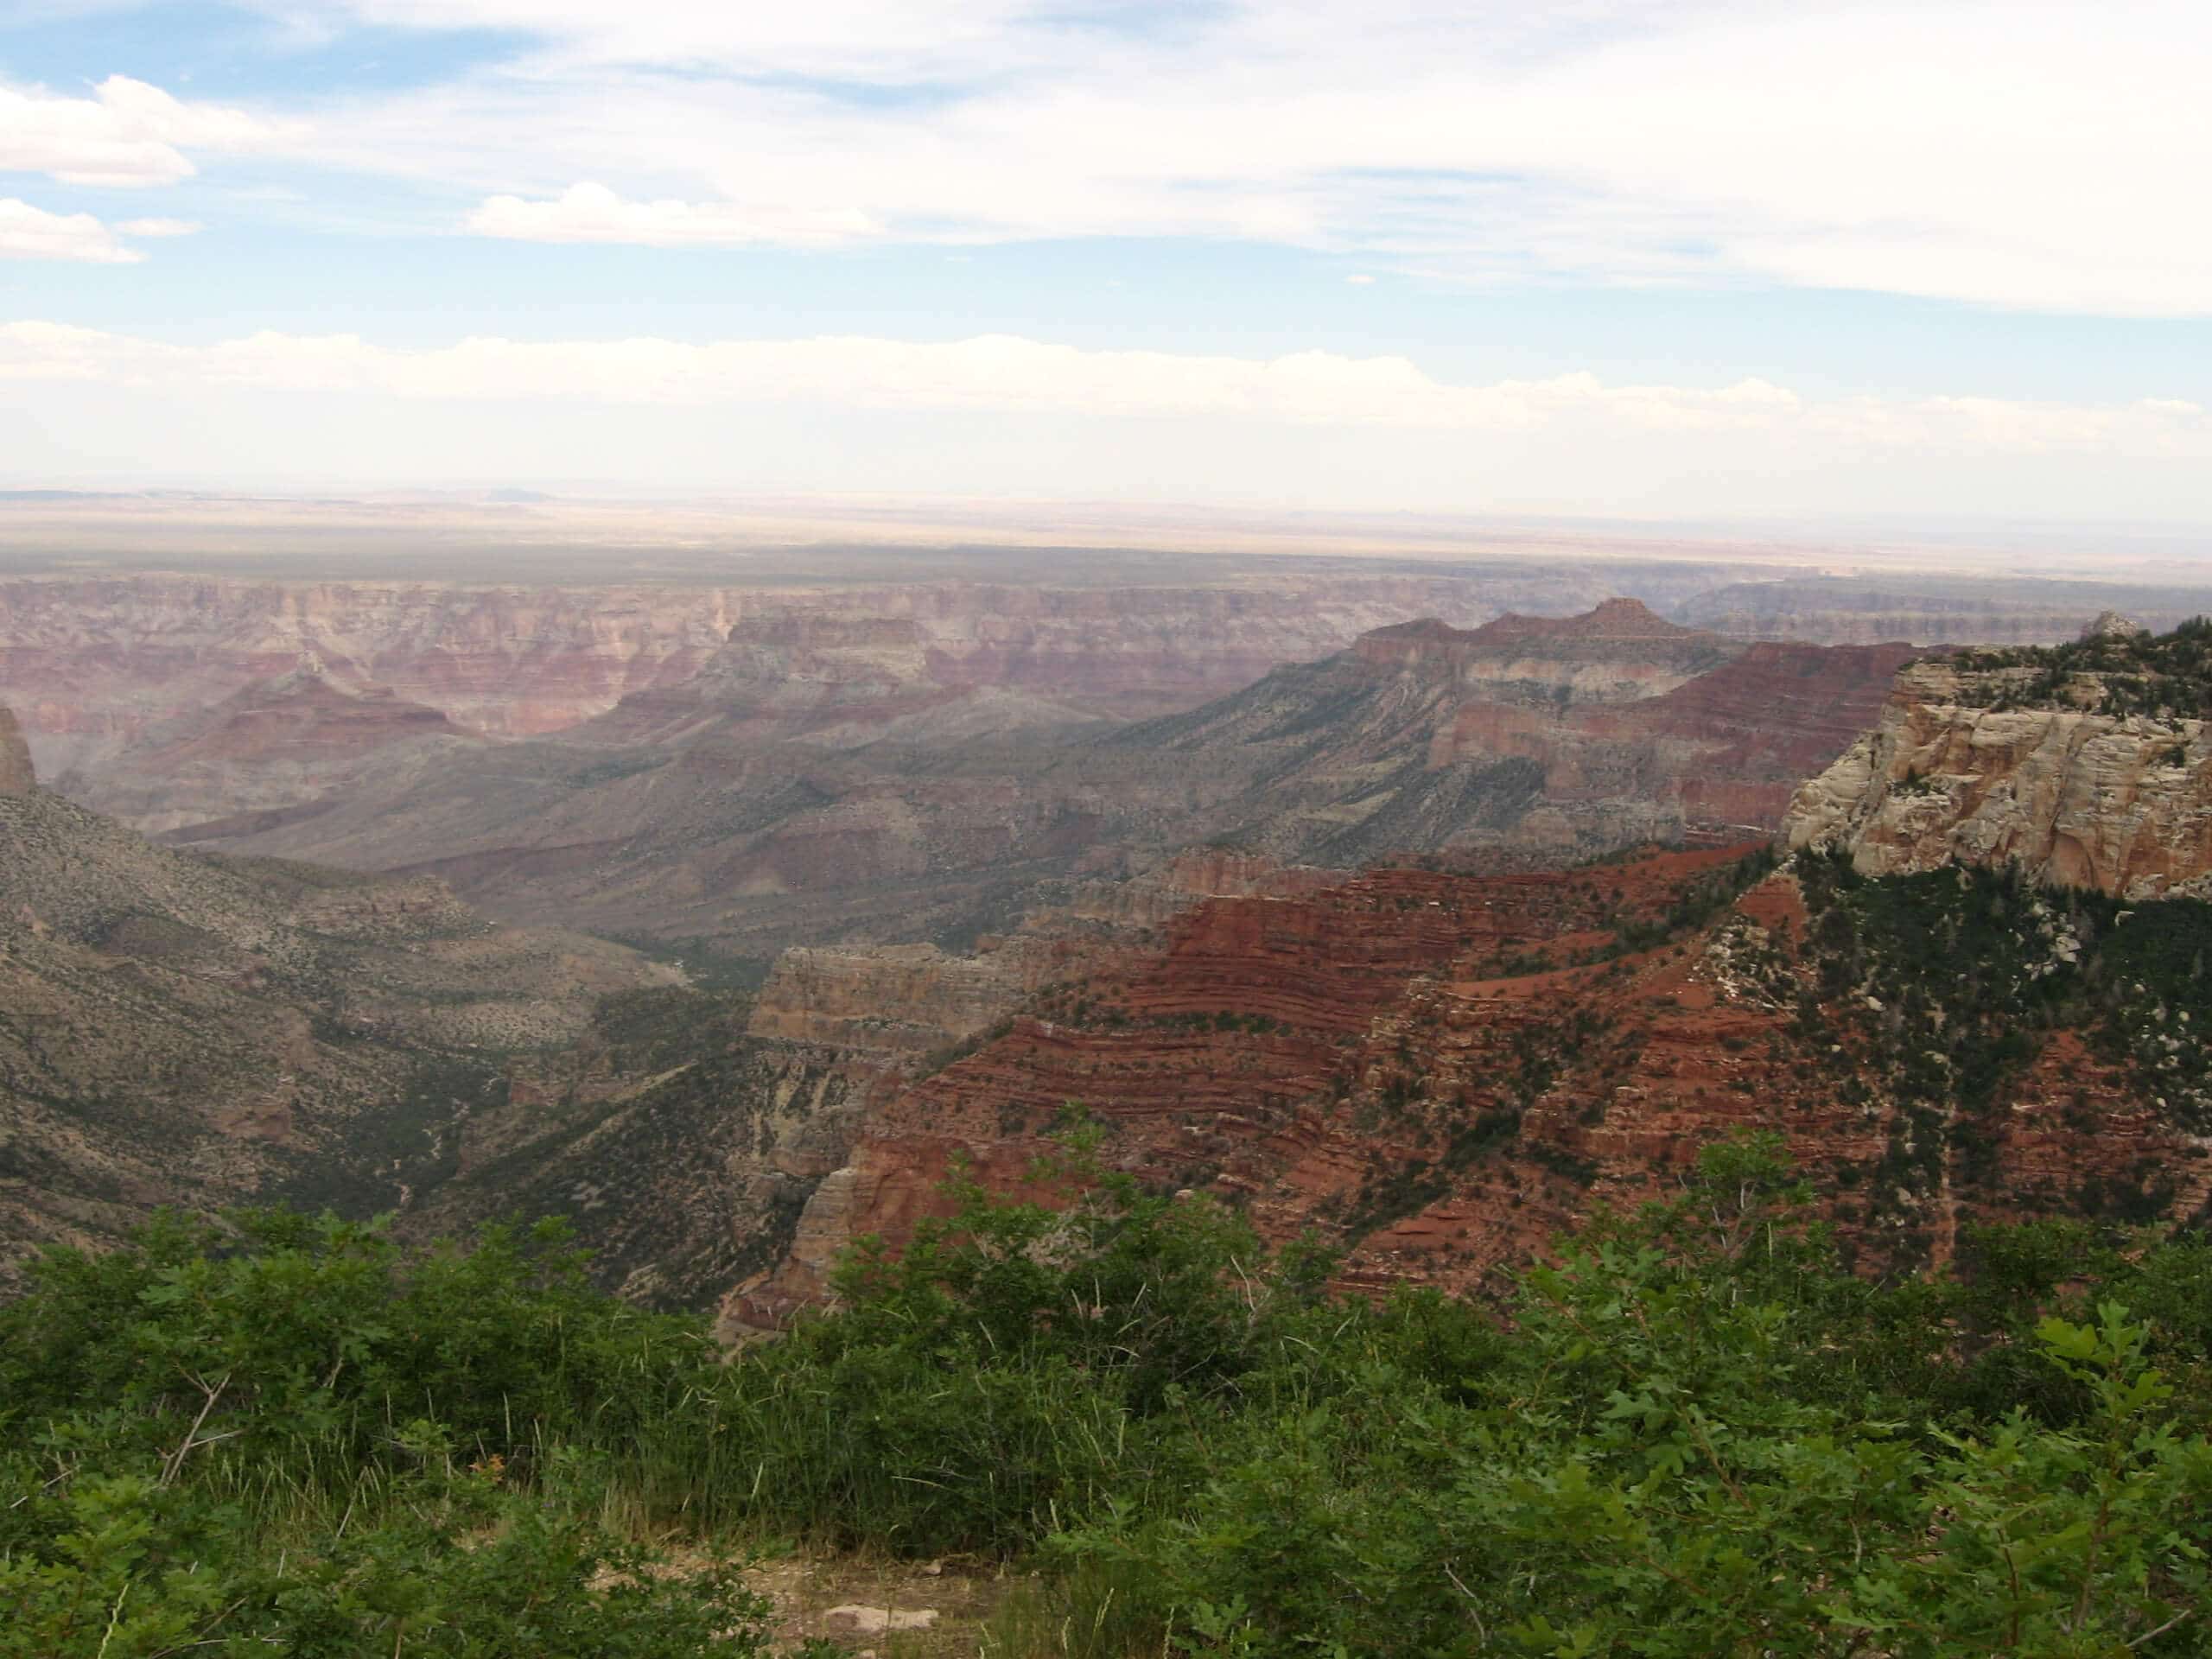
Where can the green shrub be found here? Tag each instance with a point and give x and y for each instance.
(124, 1566)
(1691, 1433)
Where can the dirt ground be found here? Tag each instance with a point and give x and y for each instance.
(807, 1591)
(893, 1610)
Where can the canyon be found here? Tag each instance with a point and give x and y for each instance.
(816, 783)
(721, 920)
(1542, 739)
(117, 670)
(200, 1032)
(92, 663)
(1433, 1075)
(1969, 994)
(268, 745)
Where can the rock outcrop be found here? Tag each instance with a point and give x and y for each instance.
(866, 649)
(1619, 652)
(1436, 1073)
(899, 997)
(1271, 1048)
(1957, 771)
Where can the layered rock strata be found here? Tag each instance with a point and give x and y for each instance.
(2077, 796)
(92, 665)
(740, 809)
(1438, 1073)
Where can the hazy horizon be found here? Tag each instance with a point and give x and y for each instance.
(507, 534)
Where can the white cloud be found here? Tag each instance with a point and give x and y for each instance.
(158, 227)
(2037, 155)
(126, 134)
(28, 233)
(860, 39)
(2041, 155)
(592, 213)
(1002, 374)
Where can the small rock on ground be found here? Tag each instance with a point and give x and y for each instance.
(873, 1621)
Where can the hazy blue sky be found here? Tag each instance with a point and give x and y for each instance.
(1601, 255)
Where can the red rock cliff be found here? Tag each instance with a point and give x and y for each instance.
(1439, 1073)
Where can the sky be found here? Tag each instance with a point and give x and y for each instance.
(1594, 257)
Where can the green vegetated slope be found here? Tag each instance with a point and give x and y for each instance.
(2113, 670)
(199, 1030)
(204, 1030)
(1692, 1434)
(659, 1147)
(1944, 989)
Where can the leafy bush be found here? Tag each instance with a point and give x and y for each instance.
(126, 1567)
(1692, 1433)
(294, 1437)
(1700, 1439)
